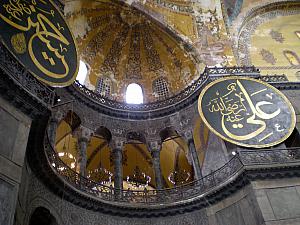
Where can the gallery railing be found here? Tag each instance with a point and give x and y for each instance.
(195, 189)
(194, 88)
(22, 77)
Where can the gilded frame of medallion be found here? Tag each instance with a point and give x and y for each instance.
(290, 106)
(52, 84)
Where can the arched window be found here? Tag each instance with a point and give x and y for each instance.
(160, 87)
(297, 33)
(104, 86)
(292, 57)
(134, 94)
(82, 72)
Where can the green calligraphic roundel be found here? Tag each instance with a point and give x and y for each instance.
(246, 112)
(35, 32)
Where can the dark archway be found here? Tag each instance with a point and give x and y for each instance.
(103, 132)
(42, 216)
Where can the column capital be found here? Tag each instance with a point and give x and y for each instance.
(187, 135)
(117, 143)
(154, 146)
(56, 116)
(83, 134)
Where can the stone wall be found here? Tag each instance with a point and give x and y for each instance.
(279, 201)
(67, 213)
(268, 202)
(14, 130)
(239, 209)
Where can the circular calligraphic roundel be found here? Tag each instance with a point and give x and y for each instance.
(246, 112)
(36, 33)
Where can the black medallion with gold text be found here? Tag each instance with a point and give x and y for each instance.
(35, 32)
(246, 112)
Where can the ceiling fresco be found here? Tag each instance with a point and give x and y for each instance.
(141, 41)
(269, 39)
(199, 23)
(277, 43)
(123, 45)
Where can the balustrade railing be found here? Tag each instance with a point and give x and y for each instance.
(215, 180)
(21, 76)
(269, 157)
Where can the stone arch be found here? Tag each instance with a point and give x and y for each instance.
(71, 122)
(168, 132)
(135, 136)
(72, 119)
(43, 216)
(48, 208)
(104, 133)
(174, 153)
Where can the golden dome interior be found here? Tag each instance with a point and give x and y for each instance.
(120, 45)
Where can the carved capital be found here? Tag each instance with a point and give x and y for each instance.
(117, 144)
(83, 134)
(154, 146)
(187, 135)
(151, 131)
(56, 116)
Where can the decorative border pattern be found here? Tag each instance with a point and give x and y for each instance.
(255, 19)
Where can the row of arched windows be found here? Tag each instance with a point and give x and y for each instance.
(134, 92)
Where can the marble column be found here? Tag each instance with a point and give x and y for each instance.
(155, 148)
(56, 117)
(188, 135)
(83, 135)
(117, 151)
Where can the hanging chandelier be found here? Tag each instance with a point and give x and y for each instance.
(139, 179)
(101, 175)
(179, 177)
(65, 156)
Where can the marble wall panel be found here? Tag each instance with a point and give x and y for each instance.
(7, 202)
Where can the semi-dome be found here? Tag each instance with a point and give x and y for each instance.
(121, 46)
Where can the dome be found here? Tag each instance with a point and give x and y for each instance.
(121, 45)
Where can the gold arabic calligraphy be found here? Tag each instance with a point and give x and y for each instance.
(234, 112)
(16, 9)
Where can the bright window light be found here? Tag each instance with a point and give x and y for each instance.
(134, 94)
(82, 73)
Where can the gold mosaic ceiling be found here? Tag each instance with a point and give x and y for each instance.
(120, 44)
